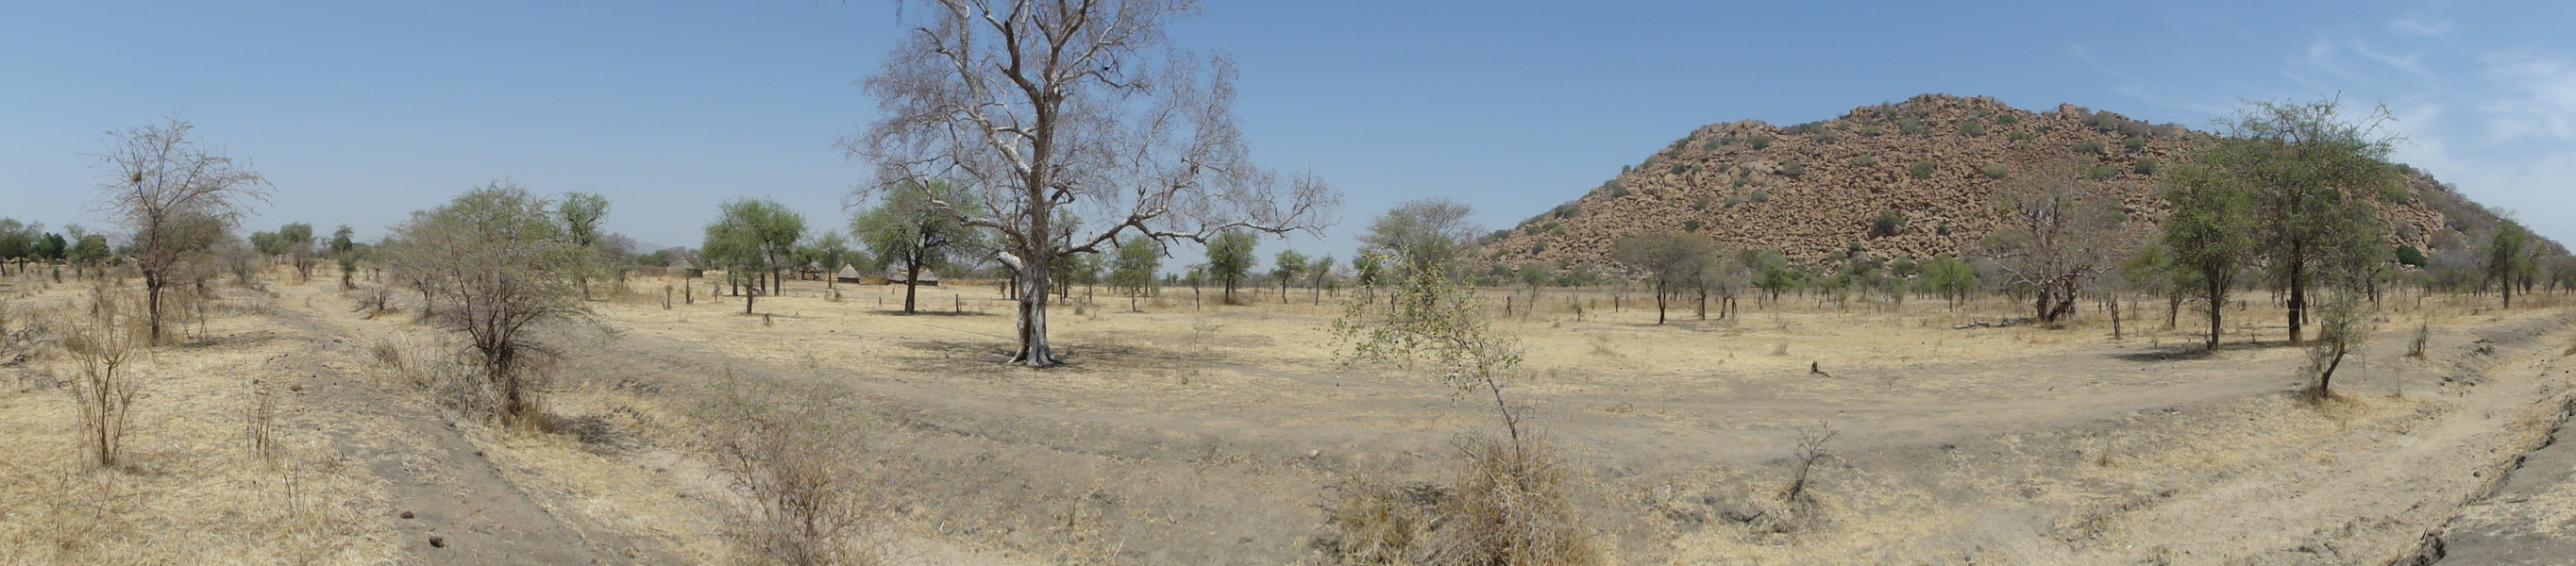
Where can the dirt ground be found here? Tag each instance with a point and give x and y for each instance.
(1185, 432)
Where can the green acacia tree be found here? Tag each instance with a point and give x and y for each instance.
(2207, 237)
(1672, 260)
(2311, 181)
(1230, 258)
(2507, 259)
(1132, 270)
(580, 214)
(1287, 266)
(751, 239)
(907, 232)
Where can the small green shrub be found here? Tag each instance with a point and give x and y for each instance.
(1871, 131)
(1997, 171)
(1943, 229)
(1690, 226)
(2006, 119)
(1568, 210)
(1761, 196)
(1972, 128)
(1554, 227)
(2100, 172)
(1912, 127)
(2086, 148)
(1794, 169)
(1709, 145)
(2145, 166)
(2134, 143)
(1864, 161)
(1680, 168)
(1700, 203)
(1888, 223)
(1740, 182)
(1759, 142)
(1536, 247)
(1732, 201)
(2021, 136)
(1922, 170)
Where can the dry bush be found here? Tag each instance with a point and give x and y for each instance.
(1513, 503)
(259, 422)
(1378, 521)
(1811, 448)
(104, 345)
(806, 498)
(373, 302)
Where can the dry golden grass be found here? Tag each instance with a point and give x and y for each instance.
(185, 492)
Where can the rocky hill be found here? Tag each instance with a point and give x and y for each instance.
(1932, 163)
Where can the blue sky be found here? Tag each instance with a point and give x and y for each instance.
(361, 112)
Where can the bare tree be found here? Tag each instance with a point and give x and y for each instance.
(2056, 236)
(1035, 106)
(169, 193)
(496, 266)
(104, 345)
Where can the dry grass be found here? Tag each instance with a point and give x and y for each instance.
(182, 492)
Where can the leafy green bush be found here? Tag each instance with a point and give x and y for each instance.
(2100, 172)
(2134, 143)
(1794, 169)
(1690, 225)
(2021, 136)
(2145, 166)
(1709, 145)
(1536, 247)
(2086, 148)
(1864, 161)
(1761, 196)
(1680, 168)
(1922, 170)
(1943, 229)
(1972, 128)
(1700, 203)
(1568, 210)
(1997, 171)
(2006, 119)
(2410, 256)
(1871, 131)
(1759, 142)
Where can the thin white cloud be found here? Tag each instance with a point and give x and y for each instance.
(2411, 63)
(2418, 24)
(2538, 99)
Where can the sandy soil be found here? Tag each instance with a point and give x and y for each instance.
(1201, 434)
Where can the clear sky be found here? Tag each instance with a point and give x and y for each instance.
(361, 112)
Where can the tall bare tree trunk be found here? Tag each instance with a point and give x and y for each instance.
(1034, 350)
(2298, 289)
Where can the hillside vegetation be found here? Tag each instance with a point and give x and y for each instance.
(1902, 180)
